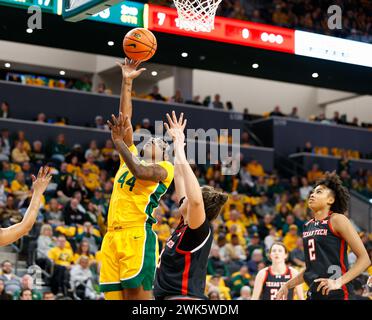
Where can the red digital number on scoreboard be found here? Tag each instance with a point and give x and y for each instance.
(163, 19)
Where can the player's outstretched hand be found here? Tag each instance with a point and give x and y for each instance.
(40, 183)
(129, 68)
(176, 127)
(282, 293)
(327, 285)
(120, 127)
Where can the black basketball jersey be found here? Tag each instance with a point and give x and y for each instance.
(325, 257)
(182, 273)
(273, 283)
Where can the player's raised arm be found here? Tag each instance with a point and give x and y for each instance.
(120, 127)
(129, 73)
(196, 211)
(14, 232)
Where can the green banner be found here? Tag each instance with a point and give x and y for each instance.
(126, 13)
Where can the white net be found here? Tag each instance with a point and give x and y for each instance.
(196, 15)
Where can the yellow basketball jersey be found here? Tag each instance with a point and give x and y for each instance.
(133, 201)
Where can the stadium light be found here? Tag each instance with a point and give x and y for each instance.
(7, 65)
(255, 66)
(184, 54)
(315, 75)
(154, 73)
(29, 30)
(110, 43)
(62, 73)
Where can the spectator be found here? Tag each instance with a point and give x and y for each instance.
(99, 123)
(81, 279)
(257, 257)
(62, 257)
(239, 280)
(254, 245)
(26, 294)
(245, 293)
(4, 112)
(3, 294)
(246, 115)
(19, 187)
(101, 88)
(37, 153)
(215, 264)
(297, 256)
(107, 150)
(255, 169)
(72, 214)
(308, 147)
(155, 95)
(5, 143)
(216, 104)
(235, 251)
(53, 214)
(11, 281)
(59, 149)
(355, 122)
(19, 154)
(229, 106)
(290, 239)
(245, 139)
(276, 112)
(88, 235)
(27, 283)
(41, 117)
(314, 174)
(195, 101)
(9, 214)
(83, 84)
(214, 295)
(270, 238)
(177, 97)
(147, 126)
(48, 295)
(93, 154)
(305, 189)
(294, 113)
(45, 242)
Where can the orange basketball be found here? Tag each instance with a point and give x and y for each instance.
(140, 44)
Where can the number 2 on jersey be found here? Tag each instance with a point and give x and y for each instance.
(131, 182)
(312, 254)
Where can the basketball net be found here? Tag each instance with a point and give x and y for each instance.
(196, 15)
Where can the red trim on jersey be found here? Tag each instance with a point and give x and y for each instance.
(271, 271)
(289, 271)
(185, 276)
(331, 228)
(180, 250)
(266, 275)
(343, 268)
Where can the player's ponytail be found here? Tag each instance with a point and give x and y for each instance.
(333, 182)
(213, 201)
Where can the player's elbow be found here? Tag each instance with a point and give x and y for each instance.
(140, 172)
(196, 202)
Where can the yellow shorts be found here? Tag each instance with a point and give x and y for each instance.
(129, 258)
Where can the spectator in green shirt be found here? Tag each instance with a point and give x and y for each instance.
(27, 283)
(238, 280)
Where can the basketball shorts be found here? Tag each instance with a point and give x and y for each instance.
(129, 258)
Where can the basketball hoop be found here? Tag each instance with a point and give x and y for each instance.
(196, 15)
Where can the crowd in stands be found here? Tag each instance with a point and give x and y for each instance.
(307, 15)
(65, 242)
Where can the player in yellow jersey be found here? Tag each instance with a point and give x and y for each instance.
(130, 246)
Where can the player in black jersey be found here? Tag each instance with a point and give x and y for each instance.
(270, 279)
(182, 270)
(326, 238)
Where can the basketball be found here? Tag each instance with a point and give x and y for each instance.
(140, 44)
